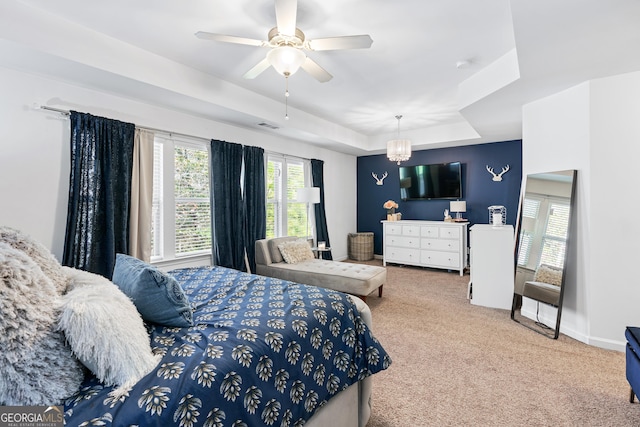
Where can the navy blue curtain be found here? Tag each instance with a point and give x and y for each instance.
(254, 201)
(99, 193)
(317, 179)
(227, 213)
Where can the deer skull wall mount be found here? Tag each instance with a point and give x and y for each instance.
(497, 177)
(379, 181)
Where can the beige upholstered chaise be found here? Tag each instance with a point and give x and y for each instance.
(354, 279)
(545, 286)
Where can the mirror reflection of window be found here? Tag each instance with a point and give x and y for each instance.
(544, 231)
(530, 209)
(554, 240)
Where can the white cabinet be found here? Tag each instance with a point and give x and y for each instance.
(436, 244)
(492, 265)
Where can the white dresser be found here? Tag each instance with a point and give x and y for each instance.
(435, 244)
(492, 265)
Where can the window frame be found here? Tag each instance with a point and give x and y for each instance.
(282, 209)
(167, 254)
(536, 238)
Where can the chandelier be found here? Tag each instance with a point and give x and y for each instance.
(399, 150)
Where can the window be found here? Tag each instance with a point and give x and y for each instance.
(530, 209)
(286, 216)
(554, 240)
(545, 222)
(181, 223)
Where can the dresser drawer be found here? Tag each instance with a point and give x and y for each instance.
(402, 241)
(401, 255)
(449, 233)
(411, 230)
(429, 232)
(393, 229)
(443, 259)
(440, 245)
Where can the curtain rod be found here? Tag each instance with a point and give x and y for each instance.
(286, 156)
(68, 113)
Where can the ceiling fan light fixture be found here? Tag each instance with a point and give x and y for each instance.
(399, 150)
(286, 60)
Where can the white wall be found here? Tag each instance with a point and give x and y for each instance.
(594, 128)
(34, 154)
(615, 155)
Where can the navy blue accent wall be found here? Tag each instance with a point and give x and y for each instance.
(478, 188)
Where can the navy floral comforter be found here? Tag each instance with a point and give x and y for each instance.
(263, 352)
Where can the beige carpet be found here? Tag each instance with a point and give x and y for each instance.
(458, 364)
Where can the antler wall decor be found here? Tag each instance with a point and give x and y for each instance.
(379, 181)
(497, 177)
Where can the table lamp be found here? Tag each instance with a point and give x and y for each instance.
(458, 206)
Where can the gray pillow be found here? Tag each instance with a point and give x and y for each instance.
(38, 253)
(296, 251)
(36, 365)
(274, 251)
(156, 295)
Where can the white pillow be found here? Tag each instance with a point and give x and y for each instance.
(295, 251)
(105, 331)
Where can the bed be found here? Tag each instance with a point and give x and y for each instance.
(261, 351)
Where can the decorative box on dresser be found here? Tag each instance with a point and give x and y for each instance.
(436, 244)
(492, 265)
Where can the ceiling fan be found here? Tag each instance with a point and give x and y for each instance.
(287, 44)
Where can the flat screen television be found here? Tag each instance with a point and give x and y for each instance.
(426, 182)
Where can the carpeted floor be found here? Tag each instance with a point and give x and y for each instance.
(457, 364)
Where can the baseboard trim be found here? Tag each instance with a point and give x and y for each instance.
(604, 343)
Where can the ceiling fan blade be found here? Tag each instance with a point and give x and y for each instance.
(229, 39)
(286, 11)
(257, 69)
(344, 42)
(316, 71)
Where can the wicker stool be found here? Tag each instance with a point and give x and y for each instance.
(360, 246)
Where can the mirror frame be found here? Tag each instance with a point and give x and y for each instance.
(517, 298)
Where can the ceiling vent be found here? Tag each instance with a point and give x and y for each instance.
(267, 125)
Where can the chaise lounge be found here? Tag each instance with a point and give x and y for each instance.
(290, 258)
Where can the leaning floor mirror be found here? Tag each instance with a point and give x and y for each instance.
(544, 232)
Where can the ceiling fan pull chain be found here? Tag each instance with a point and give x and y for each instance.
(286, 98)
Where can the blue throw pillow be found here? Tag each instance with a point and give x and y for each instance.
(157, 296)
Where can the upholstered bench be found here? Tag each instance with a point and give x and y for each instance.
(354, 279)
(632, 334)
(543, 292)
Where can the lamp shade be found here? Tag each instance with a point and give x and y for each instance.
(286, 59)
(458, 206)
(399, 150)
(308, 195)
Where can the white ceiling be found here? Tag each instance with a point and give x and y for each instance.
(517, 51)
